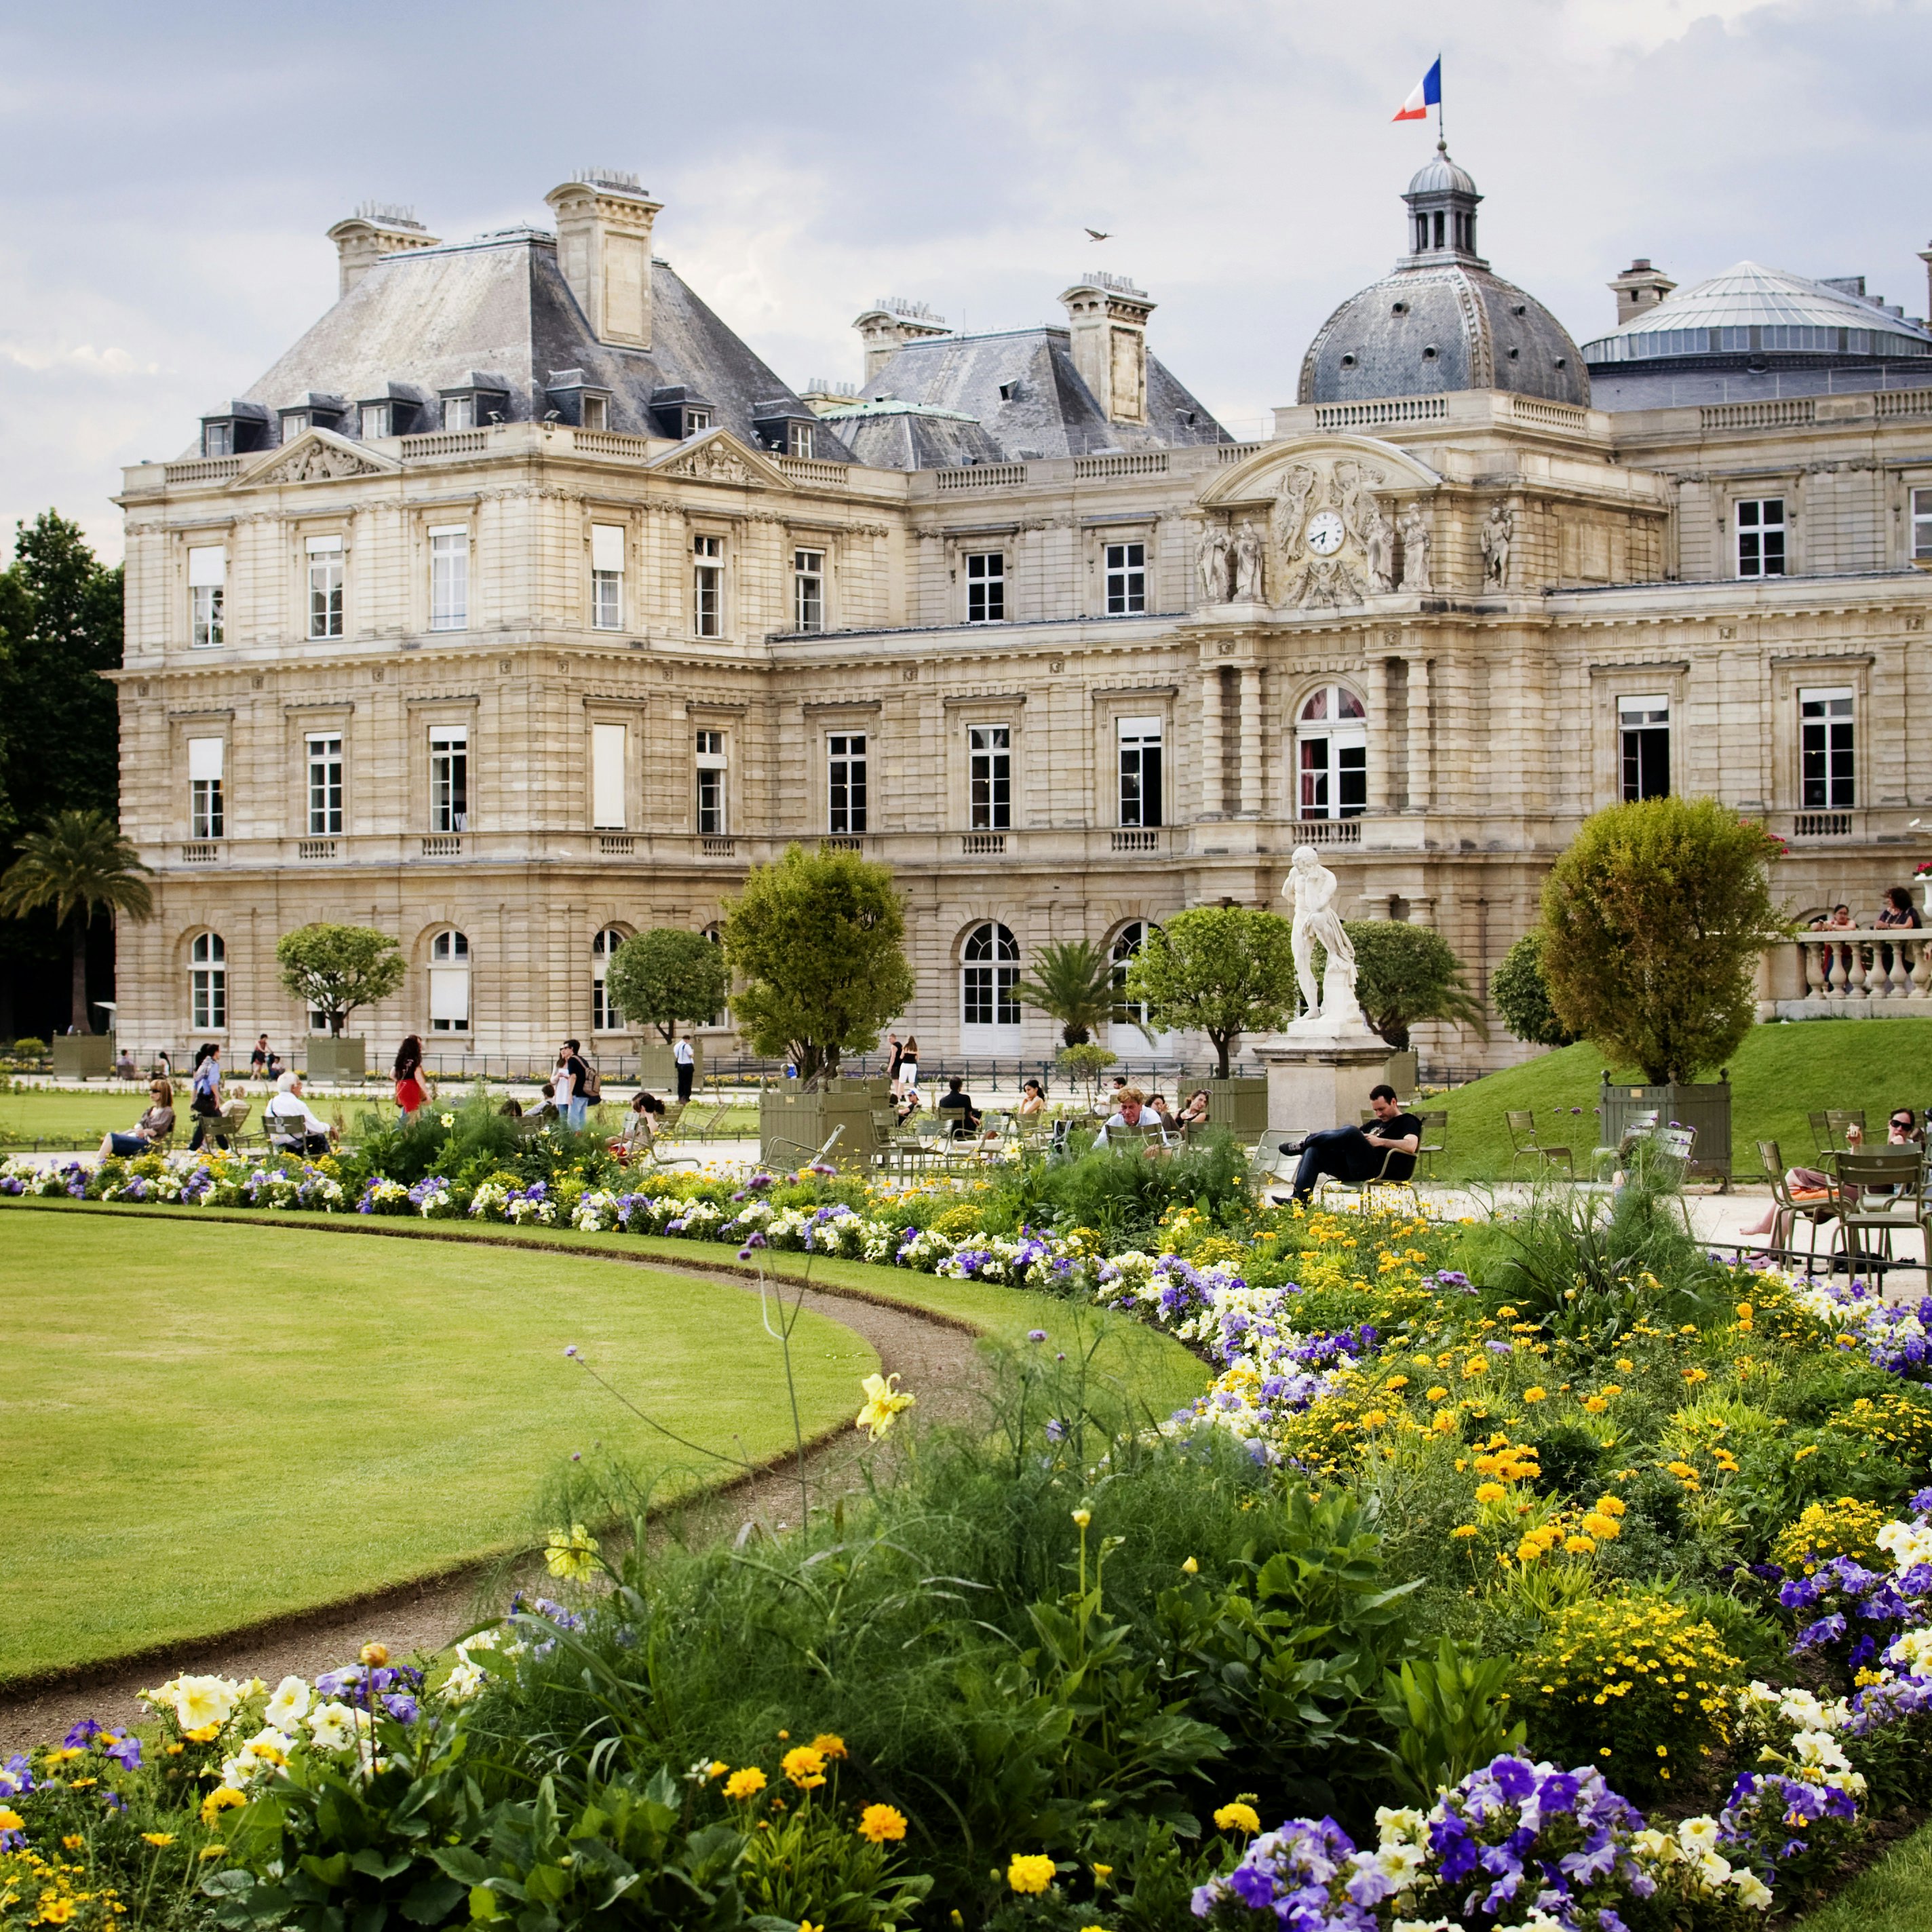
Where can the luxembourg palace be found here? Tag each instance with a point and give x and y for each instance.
(520, 607)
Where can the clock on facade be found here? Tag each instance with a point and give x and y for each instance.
(1325, 532)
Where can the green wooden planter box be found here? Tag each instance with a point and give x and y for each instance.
(792, 1125)
(82, 1056)
(1240, 1104)
(1401, 1071)
(657, 1069)
(1706, 1107)
(334, 1062)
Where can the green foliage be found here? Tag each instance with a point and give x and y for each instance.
(79, 865)
(1088, 1061)
(1653, 921)
(1406, 973)
(657, 978)
(1122, 1193)
(1222, 970)
(1073, 982)
(1450, 1713)
(1520, 993)
(816, 940)
(334, 969)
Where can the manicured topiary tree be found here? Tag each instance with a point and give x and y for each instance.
(1222, 970)
(816, 940)
(332, 969)
(657, 978)
(1520, 993)
(1653, 921)
(1405, 974)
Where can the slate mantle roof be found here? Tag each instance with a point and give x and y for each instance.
(419, 322)
(1048, 412)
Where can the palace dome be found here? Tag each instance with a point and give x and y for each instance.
(1440, 320)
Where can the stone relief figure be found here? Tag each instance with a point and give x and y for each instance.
(1378, 545)
(1248, 565)
(1413, 527)
(1212, 562)
(1312, 888)
(1498, 533)
(319, 464)
(1290, 511)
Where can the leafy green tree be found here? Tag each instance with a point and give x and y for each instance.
(1072, 982)
(1407, 974)
(1653, 920)
(1084, 1061)
(332, 970)
(78, 865)
(816, 940)
(657, 978)
(1222, 970)
(1521, 995)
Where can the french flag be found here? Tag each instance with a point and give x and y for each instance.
(1425, 93)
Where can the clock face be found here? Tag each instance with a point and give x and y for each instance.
(1324, 533)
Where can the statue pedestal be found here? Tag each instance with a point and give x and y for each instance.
(1319, 1079)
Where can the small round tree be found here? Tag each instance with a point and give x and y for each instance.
(1405, 974)
(1520, 994)
(1222, 970)
(657, 978)
(1653, 921)
(332, 970)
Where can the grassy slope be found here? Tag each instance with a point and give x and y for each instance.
(201, 1428)
(1781, 1074)
(458, 1305)
(1894, 1896)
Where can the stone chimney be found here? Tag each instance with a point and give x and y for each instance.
(891, 321)
(604, 248)
(376, 229)
(1109, 317)
(1639, 289)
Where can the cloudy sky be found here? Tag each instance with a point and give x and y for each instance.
(167, 173)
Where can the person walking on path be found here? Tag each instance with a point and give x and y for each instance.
(205, 1102)
(410, 1095)
(577, 1107)
(687, 1067)
(909, 1069)
(895, 1059)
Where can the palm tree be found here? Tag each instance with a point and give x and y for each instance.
(1072, 980)
(78, 865)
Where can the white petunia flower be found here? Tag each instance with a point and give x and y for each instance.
(289, 1704)
(1751, 1890)
(332, 1727)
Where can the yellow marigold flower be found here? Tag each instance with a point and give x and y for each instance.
(1030, 1872)
(1536, 1395)
(1396, 1382)
(12, 1821)
(158, 1837)
(1374, 1418)
(1595, 1404)
(1601, 1527)
(72, 1842)
(884, 1404)
(1190, 1568)
(1626, 1365)
(1696, 1374)
(1477, 1365)
(376, 1654)
(55, 1911)
(746, 1784)
(1444, 1423)
(1490, 1493)
(202, 1734)
(1579, 1545)
(1434, 1394)
(806, 1925)
(829, 1746)
(1238, 1817)
(805, 1767)
(878, 1823)
(221, 1799)
(1464, 1529)
(717, 1767)
(1810, 1449)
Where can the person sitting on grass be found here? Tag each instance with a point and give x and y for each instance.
(291, 1126)
(640, 1126)
(155, 1126)
(957, 1101)
(1385, 1152)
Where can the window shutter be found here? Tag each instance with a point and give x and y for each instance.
(449, 994)
(208, 568)
(606, 546)
(204, 758)
(607, 776)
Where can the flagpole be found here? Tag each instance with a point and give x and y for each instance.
(1442, 138)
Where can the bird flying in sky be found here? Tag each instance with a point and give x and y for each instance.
(1098, 235)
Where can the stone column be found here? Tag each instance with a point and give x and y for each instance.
(1251, 741)
(1381, 740)
(1421, 735)
(1214, 805)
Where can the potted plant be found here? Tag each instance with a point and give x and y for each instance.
(333, 970)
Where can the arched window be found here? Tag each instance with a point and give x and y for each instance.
(990, 968)
(207, 984)
(1129, 941)
(714, 932)
(604, 1018)
(1331, 755)
(449, 983)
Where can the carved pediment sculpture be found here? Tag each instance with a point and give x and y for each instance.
(1214, 562)
(1249, 565)
(1356, 484)
(719, 457)
(312, 459)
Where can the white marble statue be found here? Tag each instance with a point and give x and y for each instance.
(1414, 528)
(1378, 545)
(1213, 562)
(1247, 565)
(1312, 887)
(1498, 533)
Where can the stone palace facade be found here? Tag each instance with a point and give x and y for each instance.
(520, 608)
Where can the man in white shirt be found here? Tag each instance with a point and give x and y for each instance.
(291, 1126)
(687, 1063)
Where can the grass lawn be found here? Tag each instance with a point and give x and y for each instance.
(202, 1427)
(1894, 1896)
(1781, 1074)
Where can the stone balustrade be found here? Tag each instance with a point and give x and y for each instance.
(1847, 974)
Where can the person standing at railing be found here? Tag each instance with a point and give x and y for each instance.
(1898, 911)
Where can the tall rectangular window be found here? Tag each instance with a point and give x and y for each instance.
(1643, 744)
(711, 776)
(325, 785)
(845, 773)
(459, 412)
(217, 438)
(1921, 524)
(449, 778)
(808, 589)
(986, 586)
(707, 587)
(606, 576)
(1140, 771)
(989, 760)
(608, 743)
(207, 587)
(325, 587)
(597, 412)
(1127, 579)
(205, 815)
(1825, 748)
(798, 440)
(1760, 536)
(374, 419)
(449, 577)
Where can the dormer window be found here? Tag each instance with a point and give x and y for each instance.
(1008, 391)
(596, 412)
(459, 412)
(294, 422)
(217, 438)
(374, 420)
(799, 442)
(236, 430)
(696, 422)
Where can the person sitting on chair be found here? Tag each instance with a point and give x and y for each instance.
(1385, 1152)
(1129, 1118)
(957, 1100)
(1033, 1100)
(153, 1127)
(546, 1108)
(1194, 1115)
(291, 1125)
(640, 1126)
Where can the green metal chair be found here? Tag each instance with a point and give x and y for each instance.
(1524, 1145)
(1891, 1194)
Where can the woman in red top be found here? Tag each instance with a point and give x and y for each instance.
(409, 1094)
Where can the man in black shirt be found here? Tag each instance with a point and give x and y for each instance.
(1358, 1154)
(957, 1101)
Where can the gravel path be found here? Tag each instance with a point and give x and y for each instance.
(936, 1360)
